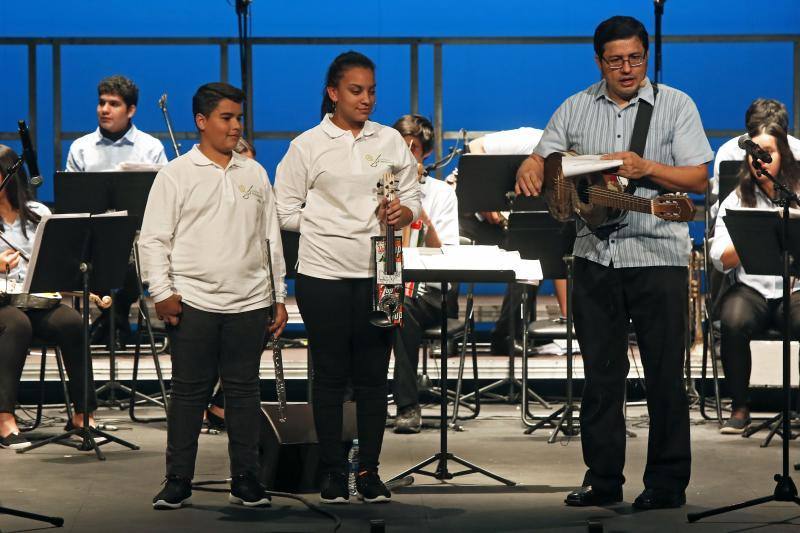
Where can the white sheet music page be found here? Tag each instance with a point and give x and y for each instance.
(472, 258)
(586, 164)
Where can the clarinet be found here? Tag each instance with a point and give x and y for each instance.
(277, 356)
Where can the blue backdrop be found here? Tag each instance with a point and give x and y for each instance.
(486, 87)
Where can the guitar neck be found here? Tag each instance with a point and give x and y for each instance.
(390, 266)
(619, 200)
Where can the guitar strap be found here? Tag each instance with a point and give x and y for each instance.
(641, 124)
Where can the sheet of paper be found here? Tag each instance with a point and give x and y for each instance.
(472, 258)
(528, 270)
(586, 164)
(130, 166)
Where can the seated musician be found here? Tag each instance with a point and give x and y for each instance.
(439, 217)
(115, 141)
(753, 303)
(761, 111)
(59, 324)
(487, 228)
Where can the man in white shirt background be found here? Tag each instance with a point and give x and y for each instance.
(115, 141)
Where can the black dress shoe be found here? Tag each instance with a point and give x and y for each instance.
(659, 499)
(588, 496)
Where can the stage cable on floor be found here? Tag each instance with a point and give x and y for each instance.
(206, 486)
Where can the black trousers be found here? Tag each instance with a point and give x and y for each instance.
(419, 314)
(655, 300)
(744, 313)
(61, 325)
(345, 345)
(207, 346)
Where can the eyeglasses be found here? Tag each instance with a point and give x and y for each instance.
(616, 62)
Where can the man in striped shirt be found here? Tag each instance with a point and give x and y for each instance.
(636, 273)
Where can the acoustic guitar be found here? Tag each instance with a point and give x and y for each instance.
(601, 199)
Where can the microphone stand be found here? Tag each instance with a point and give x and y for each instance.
(659, 12)
(785, 489)
(243, 19)
(443, 162)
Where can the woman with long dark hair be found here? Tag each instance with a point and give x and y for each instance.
(753, 303)
(19, 216)
(326, 189)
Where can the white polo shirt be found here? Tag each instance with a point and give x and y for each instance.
(326, 188)
(95, 153)
(204, 232)
(440, 203)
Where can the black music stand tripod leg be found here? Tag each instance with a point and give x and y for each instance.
(54, 520)
(442, 456)
(143, 321)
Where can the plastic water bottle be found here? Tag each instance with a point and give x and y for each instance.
(352, 460)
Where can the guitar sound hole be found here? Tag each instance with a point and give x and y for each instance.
(582, 188)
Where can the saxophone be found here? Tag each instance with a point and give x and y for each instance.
(277, 355)
(696, 314)
(696, 304)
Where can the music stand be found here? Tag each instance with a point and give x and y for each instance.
(111, 191)
(537, 235)
(443, 456)
(486, 183)
(80, 253)
(765, 241)
(728, 178)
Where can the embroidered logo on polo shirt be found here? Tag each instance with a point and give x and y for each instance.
(374, 161)
(247, 192)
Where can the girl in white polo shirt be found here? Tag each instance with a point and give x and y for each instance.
(325, 188)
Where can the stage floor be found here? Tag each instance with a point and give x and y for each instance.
(115, 495)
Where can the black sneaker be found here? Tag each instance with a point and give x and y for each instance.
(246, 490)
(370, 487)
(14, 441)
(176, 493)
(735, 426)
(408, 420)
(333, 488)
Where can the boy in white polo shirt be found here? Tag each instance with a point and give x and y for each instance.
(203, 253)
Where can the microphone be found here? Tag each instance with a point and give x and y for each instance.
(29, 154)
(754, 150)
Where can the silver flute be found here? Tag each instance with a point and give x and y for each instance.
(277, 356)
